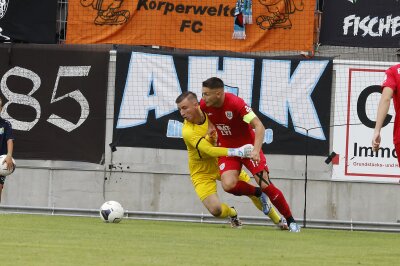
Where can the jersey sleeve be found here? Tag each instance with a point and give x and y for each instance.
(390, 80)
(202, 145)
(244, 110)
(206, 147)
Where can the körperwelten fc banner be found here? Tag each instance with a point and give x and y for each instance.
(362, 23)
(196, 24)
(29, 21)
(291, 96)
(55, 99)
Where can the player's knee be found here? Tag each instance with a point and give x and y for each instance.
(228, 185)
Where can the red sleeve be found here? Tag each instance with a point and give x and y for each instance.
(390, 79)
(241, 107)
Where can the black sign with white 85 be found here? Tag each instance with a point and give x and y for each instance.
(55, 99)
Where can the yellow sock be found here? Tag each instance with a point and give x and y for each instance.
(273, 215)
(227, 211)
(256, 202)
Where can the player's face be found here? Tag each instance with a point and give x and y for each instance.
(211, 97)
(188, 109)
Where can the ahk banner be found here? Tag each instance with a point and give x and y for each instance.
(29, 21)
(361, 23)
(196, 24)
(55, 99)
(291, 96)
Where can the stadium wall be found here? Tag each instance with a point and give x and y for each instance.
(157, 180)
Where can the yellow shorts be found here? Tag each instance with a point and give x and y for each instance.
(206, 185)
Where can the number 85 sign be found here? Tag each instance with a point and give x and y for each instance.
(29, 100)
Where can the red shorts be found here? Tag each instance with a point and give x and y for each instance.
(236, 163)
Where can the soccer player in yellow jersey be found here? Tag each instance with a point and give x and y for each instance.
(203, 164)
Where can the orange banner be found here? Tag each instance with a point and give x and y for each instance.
(200, 25)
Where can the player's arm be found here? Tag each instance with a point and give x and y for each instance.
(212, 151)
(383, 108)
(10, 145)
(259, 137)
(251, 118)
(10, 149)
(259, 132)
(205, 147)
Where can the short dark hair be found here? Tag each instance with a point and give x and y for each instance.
(213, 83)
(186, 94)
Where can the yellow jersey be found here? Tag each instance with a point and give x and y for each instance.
(203, 156)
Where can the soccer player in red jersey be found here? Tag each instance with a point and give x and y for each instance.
(234, 121)
(390, 89)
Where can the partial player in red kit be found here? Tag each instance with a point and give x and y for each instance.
(390, 89)
(234, 121)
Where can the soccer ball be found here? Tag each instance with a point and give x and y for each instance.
(111, 212)
(3, 167)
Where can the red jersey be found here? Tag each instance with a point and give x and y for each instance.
(232, 131)
(392, 81)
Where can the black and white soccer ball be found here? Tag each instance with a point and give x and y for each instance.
(111, 212)
(3, 166)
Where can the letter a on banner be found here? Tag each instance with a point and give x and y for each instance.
(152, 84)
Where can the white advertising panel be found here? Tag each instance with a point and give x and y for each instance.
(357, 95)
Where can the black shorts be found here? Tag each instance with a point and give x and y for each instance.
(2, 179)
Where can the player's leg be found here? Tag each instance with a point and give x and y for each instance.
(263, 205)
(229, 169)
(260, 172)
(218, 208)
(206, 190)
(277, 198)
(2, 179)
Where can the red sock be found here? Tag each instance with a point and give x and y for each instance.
(278, 200)
(243, 188)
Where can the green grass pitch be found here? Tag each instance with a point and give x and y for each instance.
(60, 240)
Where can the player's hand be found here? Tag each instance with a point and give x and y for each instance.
(255, 156)
(9, 162)
(243, 151)
(376, 141)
